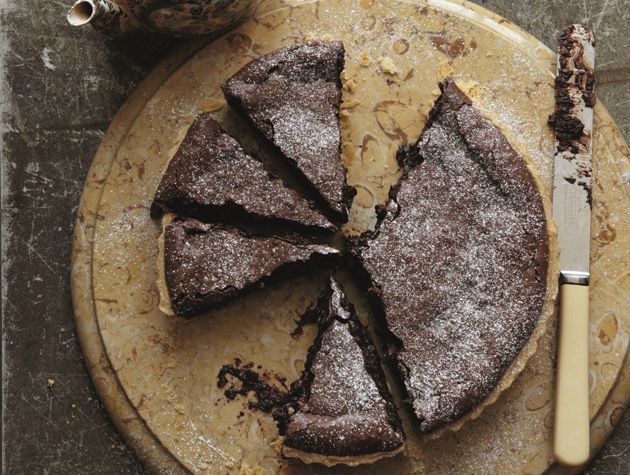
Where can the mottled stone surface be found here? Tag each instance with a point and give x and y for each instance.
(60, 89)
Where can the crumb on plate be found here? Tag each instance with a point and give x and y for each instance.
(388, 66)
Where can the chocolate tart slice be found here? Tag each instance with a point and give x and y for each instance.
(341, 410)
(210, 177)
(206, 266)
(460, 269)
(292, 97)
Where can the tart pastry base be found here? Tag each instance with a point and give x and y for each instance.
(330, 460)
(165, 299)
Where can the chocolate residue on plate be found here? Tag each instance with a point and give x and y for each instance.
(267, 396)
(451, 48)
(309, 317)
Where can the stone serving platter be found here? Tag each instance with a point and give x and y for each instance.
(157, 375)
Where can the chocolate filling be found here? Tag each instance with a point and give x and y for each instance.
(292, 97)
(457, 269)
(340, 406)
(210, 265)
(212, 179)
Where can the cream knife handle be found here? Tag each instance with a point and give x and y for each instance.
(572, 425)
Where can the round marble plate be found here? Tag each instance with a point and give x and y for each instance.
(157, 375)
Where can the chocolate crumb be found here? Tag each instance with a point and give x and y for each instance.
(589, 191)
(267, 396)
(309, 317)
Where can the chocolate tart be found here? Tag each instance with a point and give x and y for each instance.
(205, 266)
(341, 410)
(292, 96)
(210, 177)
(463, 268)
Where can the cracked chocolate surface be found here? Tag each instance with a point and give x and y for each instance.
(457, 269)
(292, 96)
(341, 405)
(209, 265)
(211, 178)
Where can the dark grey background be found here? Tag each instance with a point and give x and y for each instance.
(62, 87)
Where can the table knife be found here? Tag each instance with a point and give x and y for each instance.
(573, 124)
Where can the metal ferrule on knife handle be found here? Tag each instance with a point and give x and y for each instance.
(572, 201)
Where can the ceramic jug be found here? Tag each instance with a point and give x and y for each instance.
(171, 17)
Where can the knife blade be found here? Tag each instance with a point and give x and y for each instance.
(572, 202)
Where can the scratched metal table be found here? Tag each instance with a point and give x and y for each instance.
(59, 89)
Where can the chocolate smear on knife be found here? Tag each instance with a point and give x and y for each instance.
(575, 99)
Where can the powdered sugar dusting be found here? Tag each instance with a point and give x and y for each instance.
(341, 406)
(205, 264)
(210, 170)
(349, 376)
(292, 96)
(460, 266)
(301, 133)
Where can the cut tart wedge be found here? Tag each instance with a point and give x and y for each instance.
(463, 268)
(210, 177)
(205, 266)
(341, 411)
(292, 96)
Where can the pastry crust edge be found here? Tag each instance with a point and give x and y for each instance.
(164, 296)
(332, 460)
(163, 293)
